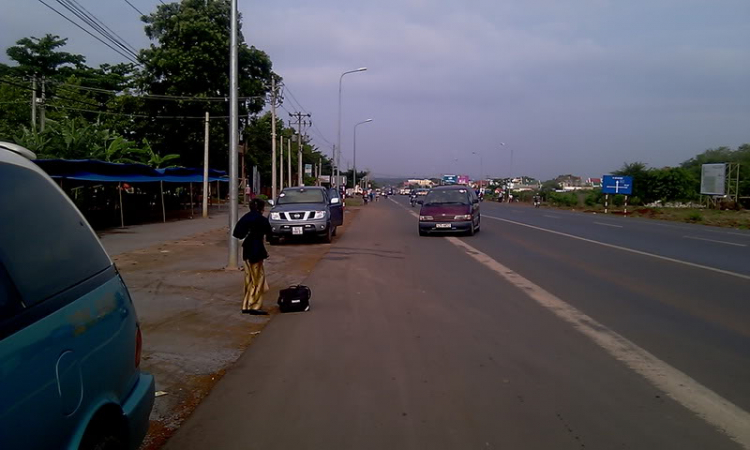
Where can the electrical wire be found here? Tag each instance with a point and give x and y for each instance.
(89, 33)
(133, 6)
(158, 96)
(97, 25)
(144, 116)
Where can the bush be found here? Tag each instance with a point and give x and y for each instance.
(593, 198)
(618, 200)
(568, 199)
(263, 197)
(695, 216)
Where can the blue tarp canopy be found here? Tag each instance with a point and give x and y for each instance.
(93, 170)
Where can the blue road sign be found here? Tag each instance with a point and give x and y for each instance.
(450, 179)
(617, 185)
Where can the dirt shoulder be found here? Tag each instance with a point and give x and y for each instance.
(189, 309)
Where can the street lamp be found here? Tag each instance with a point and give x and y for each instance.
(354, 182)
(338, 142)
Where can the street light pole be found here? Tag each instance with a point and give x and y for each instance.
(354, 182)
(337, 154)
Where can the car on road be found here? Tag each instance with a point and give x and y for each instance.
(306, 211)
(70, 340)
(449, 209)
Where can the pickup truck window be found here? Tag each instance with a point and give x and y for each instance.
(301, 196)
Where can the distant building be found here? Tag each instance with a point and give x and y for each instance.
(571, 183)
(594, 182)
(421, 182)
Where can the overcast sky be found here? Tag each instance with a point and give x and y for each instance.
(569, 86)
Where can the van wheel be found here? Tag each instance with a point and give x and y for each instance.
(334, 231)
(472, 230)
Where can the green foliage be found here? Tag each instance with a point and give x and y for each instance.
(568, 199)
(722, 155)
(666, 184)
(550, 186)
(594, 197)
(39, 56)
(618, 200)
(695, 216)
(189, 57)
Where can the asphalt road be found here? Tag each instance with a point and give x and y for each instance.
(539, 332)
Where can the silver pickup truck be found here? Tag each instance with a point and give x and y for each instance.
(306, 211)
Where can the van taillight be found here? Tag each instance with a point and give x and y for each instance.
(138, 345)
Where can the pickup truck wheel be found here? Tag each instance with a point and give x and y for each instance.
(334, 231)
(273, 240)
(328, 238)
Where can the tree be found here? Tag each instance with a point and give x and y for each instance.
(641, 179)
(189, 56)
(38, 56)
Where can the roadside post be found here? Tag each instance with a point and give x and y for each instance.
(612, 184)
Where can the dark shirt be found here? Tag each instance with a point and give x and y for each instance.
(253, 227)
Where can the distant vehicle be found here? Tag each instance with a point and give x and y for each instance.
(70, 342)
(422, 192)
(306, 211)
(449, 209)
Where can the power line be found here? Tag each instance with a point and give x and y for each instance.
(89, 33)
(144, 116)
(97, 25)
(158, 96)
(133, 6)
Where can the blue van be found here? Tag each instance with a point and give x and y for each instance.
(70, 343)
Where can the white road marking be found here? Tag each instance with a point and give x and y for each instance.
(608, 224)
(711, 407)
(551, 217)
(714, 240)
(708, 405)
(626, 249)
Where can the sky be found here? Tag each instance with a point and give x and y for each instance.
(485, 87)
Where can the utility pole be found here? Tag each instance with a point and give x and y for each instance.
(205, 170)
(33, 103)
(289, 160)
(41, 125)
(233, 137)
(281, 163)
(273, 136)
(300, 123)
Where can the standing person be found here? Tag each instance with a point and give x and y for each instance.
(253, 227)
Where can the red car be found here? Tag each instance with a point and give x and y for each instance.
(449, 209)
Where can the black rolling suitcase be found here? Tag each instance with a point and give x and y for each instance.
(294, 299)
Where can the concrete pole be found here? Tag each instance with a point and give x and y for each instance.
(273, 137)
(299, 156)
(233, 137)
(33, 103)
(205, 170)
(289, 159)
(42, 116)
(281, 163)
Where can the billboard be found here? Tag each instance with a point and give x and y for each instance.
(612, 184)
(450, 179)
(463, 179)
(713, 179)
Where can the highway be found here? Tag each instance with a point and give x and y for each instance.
(548, 329)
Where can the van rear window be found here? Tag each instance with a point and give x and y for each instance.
(46, 245)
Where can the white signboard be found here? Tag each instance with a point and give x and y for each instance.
(713, 179)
